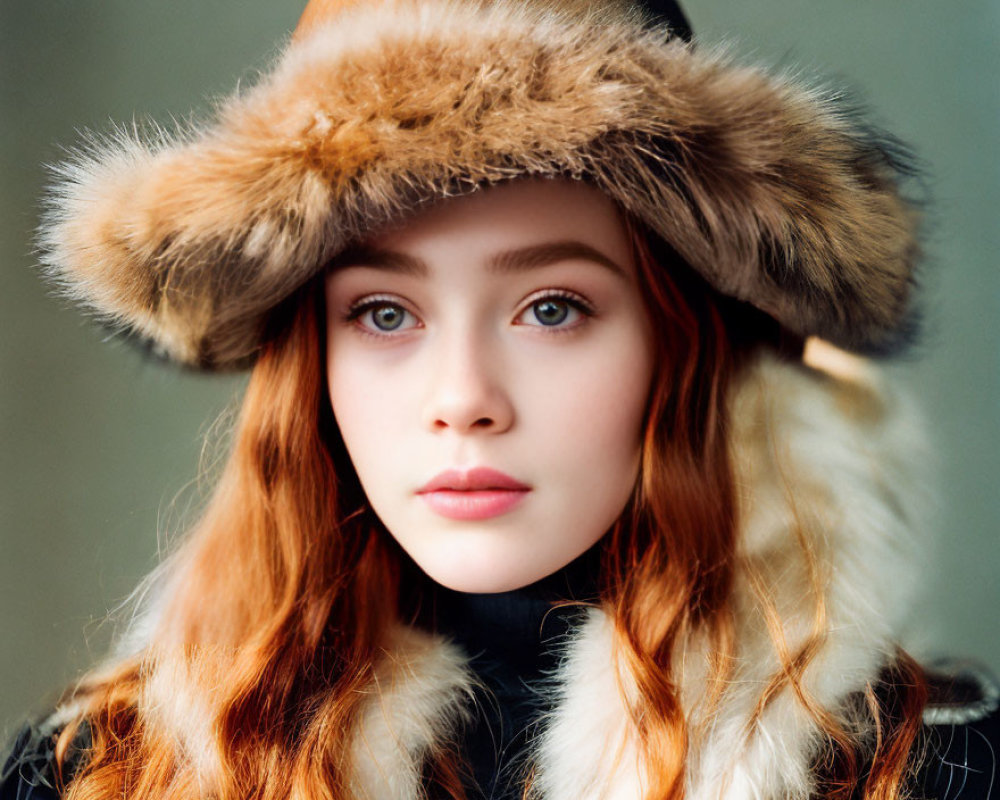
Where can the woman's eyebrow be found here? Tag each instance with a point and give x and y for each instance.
(390, 260)
(517, 260)
(525, 258)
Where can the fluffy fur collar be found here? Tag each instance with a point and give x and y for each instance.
(826, 461)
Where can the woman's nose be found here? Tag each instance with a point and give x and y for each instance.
(467, 391)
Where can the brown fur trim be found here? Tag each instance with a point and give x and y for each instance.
(764, 188)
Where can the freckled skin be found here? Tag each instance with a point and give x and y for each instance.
(467, 367)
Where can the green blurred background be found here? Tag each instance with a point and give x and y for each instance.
(97, 444)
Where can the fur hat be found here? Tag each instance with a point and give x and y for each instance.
(773, 192)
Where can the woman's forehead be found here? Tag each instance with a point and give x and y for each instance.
(515, 224)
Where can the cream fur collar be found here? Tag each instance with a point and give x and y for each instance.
(825, 457)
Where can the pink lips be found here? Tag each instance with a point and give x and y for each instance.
(478, 493)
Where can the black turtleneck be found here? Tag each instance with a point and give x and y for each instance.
(512, 642)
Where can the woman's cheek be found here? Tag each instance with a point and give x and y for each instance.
(363, 404)
(597, 396)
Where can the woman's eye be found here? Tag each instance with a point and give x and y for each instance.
(383, 317)
(553, 312)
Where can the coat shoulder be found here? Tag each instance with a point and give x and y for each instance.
(30, 769)
(961, 737)
(956, 755)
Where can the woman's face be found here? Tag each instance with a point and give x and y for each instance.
(488, 366)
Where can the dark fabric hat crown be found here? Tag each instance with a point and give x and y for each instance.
(769, 190)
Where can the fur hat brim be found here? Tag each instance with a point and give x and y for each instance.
(768, 190)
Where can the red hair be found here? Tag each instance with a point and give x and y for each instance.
(276, 605)
(670, 563)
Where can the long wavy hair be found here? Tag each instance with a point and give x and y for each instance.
(246, 673)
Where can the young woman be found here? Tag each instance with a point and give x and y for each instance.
(537, 489)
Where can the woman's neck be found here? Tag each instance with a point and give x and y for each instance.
(514, 630)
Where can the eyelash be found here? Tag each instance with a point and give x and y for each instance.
(369, 303)
(572, 299)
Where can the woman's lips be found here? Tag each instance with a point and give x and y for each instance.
(478, 493)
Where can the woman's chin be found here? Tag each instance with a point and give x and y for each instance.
(483, 575)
